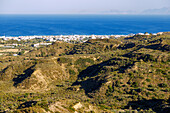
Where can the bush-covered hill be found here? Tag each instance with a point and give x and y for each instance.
(102, 75)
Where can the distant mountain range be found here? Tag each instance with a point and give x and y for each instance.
(165, 10)
(159, 11)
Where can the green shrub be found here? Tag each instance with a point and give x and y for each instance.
(44, 105)
(109, 90)
(135, 84)
(141, 77)
(162, 85)
(71, 109)
(117, 84)
(104, 107)
(143, 83)
(160, 71)
(150, 85)
(72, 72)
(148, 80)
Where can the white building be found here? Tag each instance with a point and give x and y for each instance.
(159, 33)
(140, 33)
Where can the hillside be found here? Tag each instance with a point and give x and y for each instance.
(102, 75)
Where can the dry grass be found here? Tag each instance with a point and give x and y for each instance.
(9, 50)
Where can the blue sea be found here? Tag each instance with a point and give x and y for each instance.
(23, 25)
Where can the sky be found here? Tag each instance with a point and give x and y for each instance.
(84, 6)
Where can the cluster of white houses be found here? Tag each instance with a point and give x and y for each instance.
(69, 38)
(65, 38)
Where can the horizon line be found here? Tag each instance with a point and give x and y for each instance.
(72, 14)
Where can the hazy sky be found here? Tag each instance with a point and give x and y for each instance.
(77, 6)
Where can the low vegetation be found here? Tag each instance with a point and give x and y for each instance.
(103, 75)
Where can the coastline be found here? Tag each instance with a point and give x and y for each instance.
(68, 38)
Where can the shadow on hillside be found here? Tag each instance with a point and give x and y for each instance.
(138, 48)
(4, 77)
(89, 79)
(27, 104)
(22, 77)
(129, 38)
(91, 84)
(93, 70)
(159, 47)
(127, 46)
(156, 105)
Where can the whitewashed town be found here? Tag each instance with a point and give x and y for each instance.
(65, 38)
(69, 38)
